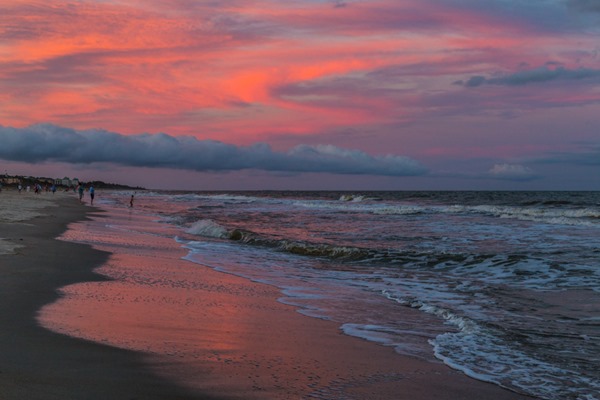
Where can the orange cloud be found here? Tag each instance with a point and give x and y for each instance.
(244, 68)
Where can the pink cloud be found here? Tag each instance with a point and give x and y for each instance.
(142, 60)
(248, 71)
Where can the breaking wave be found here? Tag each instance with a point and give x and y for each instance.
(208, 228)
(518, 269)
(484, 352)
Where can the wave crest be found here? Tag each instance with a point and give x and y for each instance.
(208, 228)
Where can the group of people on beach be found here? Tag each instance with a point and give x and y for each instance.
(81, 191)
(37, 188)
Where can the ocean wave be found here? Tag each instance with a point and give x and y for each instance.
(400, 210)
(208, 228)
(481, 352)
(585, 216)
(357, 198)
(351, 197)
(323, 250)
(223, 198)
(465, 325)
(519, 270)
(212, 229)
(554, 212)
(581, 216)
(589, 216)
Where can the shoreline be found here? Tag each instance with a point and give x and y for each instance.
(217, 333)
(266, 350)
(37, 363)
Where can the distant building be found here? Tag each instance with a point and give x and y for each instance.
(68, 182)
(11, 180)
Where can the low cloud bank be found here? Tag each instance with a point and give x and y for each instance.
(45, 142)
(513, 172)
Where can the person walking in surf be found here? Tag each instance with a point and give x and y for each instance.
(92, 193)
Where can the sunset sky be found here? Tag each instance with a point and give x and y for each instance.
(307, 94)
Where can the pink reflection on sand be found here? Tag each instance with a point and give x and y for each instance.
(155, 302)
(186, 318)
(156, 305)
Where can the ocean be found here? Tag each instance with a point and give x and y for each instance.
(503, 286)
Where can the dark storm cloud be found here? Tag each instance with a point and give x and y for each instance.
(47, 143)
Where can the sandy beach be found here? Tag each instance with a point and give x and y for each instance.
(37, 363)
(242, 343)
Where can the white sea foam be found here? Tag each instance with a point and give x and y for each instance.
(399, 210)
(589, 216)
(208, 228)
(373, 333)
(8, 247)
(583, 216)
(480, 353)
(353, 197)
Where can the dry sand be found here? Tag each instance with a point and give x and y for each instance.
(246, 344)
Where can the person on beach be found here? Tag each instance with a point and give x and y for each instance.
(92, 193)
(53, 189)
(20, 187)
(131, 202)
(80, 190)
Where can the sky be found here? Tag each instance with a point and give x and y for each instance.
(306, 94)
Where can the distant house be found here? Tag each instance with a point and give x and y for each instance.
(68, 182)
(11, 180)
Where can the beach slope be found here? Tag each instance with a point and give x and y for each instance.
(37, 363)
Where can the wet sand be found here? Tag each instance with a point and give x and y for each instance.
(236, 342)
(36, 363)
